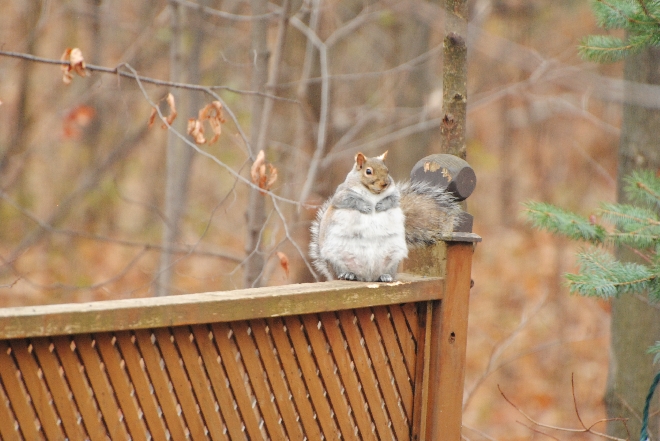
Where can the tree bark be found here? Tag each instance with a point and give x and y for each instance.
(454, 78)
(635, 323)
(256, 212)
(179, 155)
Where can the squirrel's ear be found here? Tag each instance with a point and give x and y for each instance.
(360, 159)
(383, 156)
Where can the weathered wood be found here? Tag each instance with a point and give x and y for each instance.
(325, 365)
(296, 383)
(197, 378)
(439, 391)
(180, 383)
(228, 355)
(56, 384)
(19, 400)
(166, 400)
(448, 344)
(366, 374)
(348, 375)
(140, 381)
(7, 429)
(396, 359)
(86, 406)
(120, 386)
(38, 393)
(260, 387)
(379, 365)
(219, 382)
(312, 380)
(155, 312)
(448, 172)
(277, 381)
(100, 386)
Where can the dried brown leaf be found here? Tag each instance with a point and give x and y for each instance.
(272, 171)
(152, 117)
(196, 130)
(172, 116)
(284, 262)
(76, 64)
(263, 174)
(255, 170)
(212, 113)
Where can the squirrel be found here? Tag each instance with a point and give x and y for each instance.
(365, 229)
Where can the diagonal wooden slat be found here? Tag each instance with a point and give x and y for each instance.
(296, 383)
(81, 391)
(348, 375)
(121, 386)
(159, 380)
(140, 381)
(365, 373)
(37, 389)
(258, 381)
(7, 422)
(406, 338)
(219, 383)
(396, 358)
(312, 380)
(102, 389)
(180, 382)
(421, 389)
(276, 379)
(379, 363)
(326, 364)
(242, 395)
(197, 377)
(58, 389)
(17, 396)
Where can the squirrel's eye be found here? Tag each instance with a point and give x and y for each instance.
(368, 171)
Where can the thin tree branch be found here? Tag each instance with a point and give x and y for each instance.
(134, 76)
(564, 429)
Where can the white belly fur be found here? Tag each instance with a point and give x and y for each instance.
(368, 245)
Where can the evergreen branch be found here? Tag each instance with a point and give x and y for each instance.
(601, 275)
(647, 12)
(555, 220)
(609, 49)
(655, 349)
(636, 226)
(609, 16)
(644, 187)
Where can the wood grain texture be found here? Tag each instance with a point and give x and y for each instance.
(155, 312)
(326, 361)
(448, 345)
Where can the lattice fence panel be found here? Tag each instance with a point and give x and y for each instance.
(348, 374)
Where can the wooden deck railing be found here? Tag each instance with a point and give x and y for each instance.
(357, 361)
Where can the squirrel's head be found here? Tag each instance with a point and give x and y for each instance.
(373, 172)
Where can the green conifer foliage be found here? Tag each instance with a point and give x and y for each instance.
(637, 227)
(639, 18)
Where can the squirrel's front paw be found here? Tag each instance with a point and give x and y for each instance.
(385, 278)
(347, 276)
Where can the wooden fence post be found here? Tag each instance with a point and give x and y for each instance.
(438, 406)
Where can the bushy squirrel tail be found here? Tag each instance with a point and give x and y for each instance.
(430, 213)
(314, 251)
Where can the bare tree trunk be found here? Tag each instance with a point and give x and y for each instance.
(454, 78)
(18, 140)
(179, 155)
(256, 212)
(635, 323)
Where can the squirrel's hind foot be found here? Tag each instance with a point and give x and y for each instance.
(347, 276)
(385, 278)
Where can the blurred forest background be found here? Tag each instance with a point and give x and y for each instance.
(89, 200)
